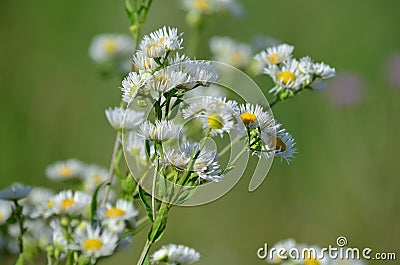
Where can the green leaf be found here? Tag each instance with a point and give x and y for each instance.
(146, 200)
(147, 145)
(93, 205)
(20, 260)
(146, 261)
(158, 227)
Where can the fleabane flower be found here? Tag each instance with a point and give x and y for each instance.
(131, 86)
(157, 43)
(217, 115)
(286, 76)
(108, 47)
(69, 202)
(120, 118)
(206, 164)
(201, 73)
(93, 176)
(210, 7)
(15, 192)
(166, 79)
(161, 131)
(122, 210)
(175, 254)
(281, 143)
(274, 55)
(95, 242)
(142, 62)
(5, 211)
(228, 51)
(64, 170)
(315, 72)
(169, 37)
(254, 116)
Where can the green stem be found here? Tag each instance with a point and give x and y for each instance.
(244, 150)
(145, 251)
(229, 146)
(111, 168)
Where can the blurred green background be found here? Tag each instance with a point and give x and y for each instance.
(344, 181)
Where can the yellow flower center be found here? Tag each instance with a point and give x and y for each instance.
(248, 118)
(215, 121)
(110, 45)
(114, 212)
(92, 244)
(50, 204)
(286, 77)
(273, 58)
(65, 171)
(97, 178)
(1, 216)
(279, 144)
(237, 58)
(201, 4)
(309, 261)
(67, 203)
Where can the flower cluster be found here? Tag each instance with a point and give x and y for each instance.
(290, 75)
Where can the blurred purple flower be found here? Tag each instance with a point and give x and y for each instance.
(346, 90)
(392, 70)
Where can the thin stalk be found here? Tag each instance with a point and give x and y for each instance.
(244, 150)
(145, 251)
(111, 168)
(227, 147)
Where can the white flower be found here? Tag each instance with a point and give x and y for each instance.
(166, 79)
(60, 236)
(175, 254)
(5, 211)
(121, 118)
(123, 210)
(131, 86)
(230, 52)
(286, 76)
(15, 192)
(206, 164)
(216, 114)
(93, 176)
(253, 116)
(324, 71)
(282, 143)
(209, 7)
(315, 70)
(108, 47)
(168, 37)
(134, 144)
(275, 55)
(95, 243)
(142, 62)
(201, 73)
(64, 170)
(68, 202)
(161, 131)
(39, 195)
